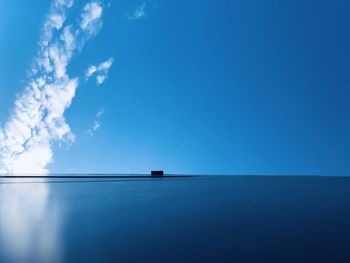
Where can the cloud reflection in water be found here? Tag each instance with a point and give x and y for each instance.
(29, 223)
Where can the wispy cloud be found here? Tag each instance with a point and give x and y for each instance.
(97, 122)
(90, 18)
(139, 13)
(100, 71)
(37, 120)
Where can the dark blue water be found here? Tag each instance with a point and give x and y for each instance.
(204, 219)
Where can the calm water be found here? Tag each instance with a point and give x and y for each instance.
(204, 219)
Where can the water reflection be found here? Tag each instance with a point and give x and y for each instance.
(29, 223)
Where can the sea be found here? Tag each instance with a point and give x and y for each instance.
(175, 219)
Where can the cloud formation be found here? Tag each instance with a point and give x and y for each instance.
(100, 71)
(37, 119)
(90, 18)
(97, 123)
(139, 13)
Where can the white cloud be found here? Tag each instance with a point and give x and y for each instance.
(100, 79)
(97, 123)
(94, 128)
(57, 20)
(100, 71)
(100, 112)
(91, 17)
(37, 120)
(139, 13)
(91, 70)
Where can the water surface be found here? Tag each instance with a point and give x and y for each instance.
(197, 219)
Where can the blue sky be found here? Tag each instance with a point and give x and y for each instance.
(214, 87)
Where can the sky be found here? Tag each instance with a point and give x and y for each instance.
(189, 87)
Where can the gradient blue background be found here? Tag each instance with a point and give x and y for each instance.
(223, 87)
